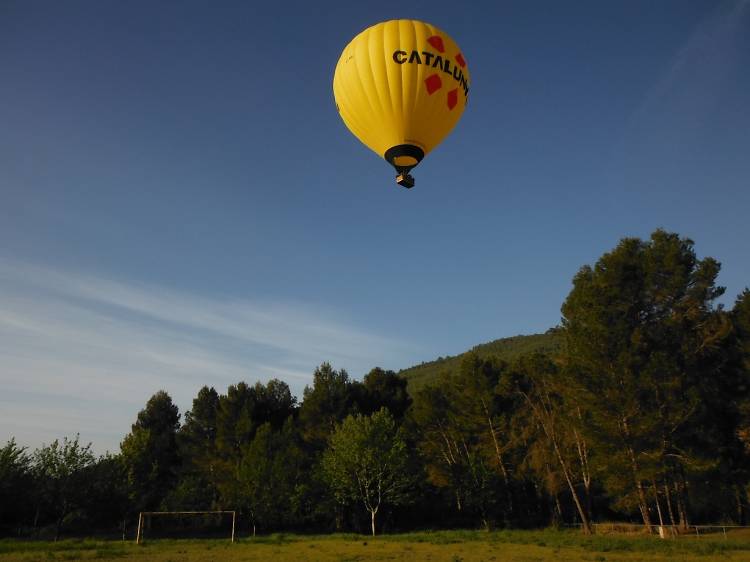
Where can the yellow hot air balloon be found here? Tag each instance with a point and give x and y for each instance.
(401, 86)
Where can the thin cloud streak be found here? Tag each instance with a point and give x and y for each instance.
(269, 324)
(668, 128)
(77, 348)
(699, 68)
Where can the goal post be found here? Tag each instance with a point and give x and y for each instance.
(143, 514)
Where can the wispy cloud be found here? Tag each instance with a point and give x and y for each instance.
(682, 109)
(697, 72)
(82, 353)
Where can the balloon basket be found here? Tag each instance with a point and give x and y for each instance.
(405, 180)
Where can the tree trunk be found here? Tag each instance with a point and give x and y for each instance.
(339, 518)
(738, 496)
(499, 455)
(583, 456)
(642, 501)
(495, 442)
(558, 510)
(643, 505)
(586, 525)
(668, 496)
(372, 520)
(679, 489)
(545, 418)
(658, 504)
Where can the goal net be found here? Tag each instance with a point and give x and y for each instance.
(185, 524)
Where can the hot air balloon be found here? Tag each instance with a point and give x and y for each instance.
(400, 87)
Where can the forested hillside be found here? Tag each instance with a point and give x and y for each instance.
(506, 349)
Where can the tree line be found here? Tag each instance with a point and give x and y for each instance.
(642, 415)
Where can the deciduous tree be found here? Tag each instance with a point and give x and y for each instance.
(367, 461)
(61, 474)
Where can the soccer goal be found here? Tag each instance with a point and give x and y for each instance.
(145, 519)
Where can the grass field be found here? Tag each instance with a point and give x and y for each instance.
(449, 546)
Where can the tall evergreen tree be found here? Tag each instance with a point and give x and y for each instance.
(270, 473)
(385, 389)
(642, 336)
(741, 321)
(332, 397)
(739, 471)
(150, 454)
(198, 432)
(198, 485)
(241, 411)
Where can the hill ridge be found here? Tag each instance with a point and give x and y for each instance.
(507, 348)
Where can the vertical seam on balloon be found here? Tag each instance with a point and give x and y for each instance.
(361, 75)
(351, 119)
(375, 56)
(428, 102)
(431, 101)
(394, 121)
(341, 95)
(418, 83)
(405, 109)
(364, 91)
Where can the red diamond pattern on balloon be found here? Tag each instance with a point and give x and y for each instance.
(433, 83)
(460, 60)
(452, 98)
(437, 42)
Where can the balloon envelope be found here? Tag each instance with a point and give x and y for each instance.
(400, 87)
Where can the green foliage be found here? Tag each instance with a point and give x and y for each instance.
(638, 405)
(332, 397)
(197, 435)
(150, 454)
(270, 473)
(505, 349)
(645, 348)
(385, 389)
(367, 461)
(741, 321)
(241, 412)
(61, 473)
(198, 481)
(107, 501)
(462, 431)
(552, 426)
(243, 409)
(16, 479)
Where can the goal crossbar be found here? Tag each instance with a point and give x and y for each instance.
(142, 514)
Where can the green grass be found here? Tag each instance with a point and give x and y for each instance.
(71, 549)
(540, 546)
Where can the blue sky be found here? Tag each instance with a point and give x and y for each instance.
(181, 204)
